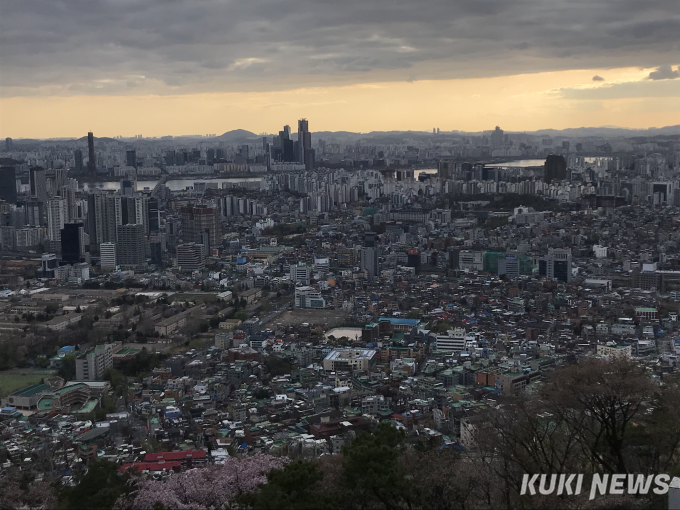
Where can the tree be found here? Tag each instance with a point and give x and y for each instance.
(296, 486)
(205, 488)
(67, 370)
(99, 488)
(22, 492)
(598, 400)
(372, 471)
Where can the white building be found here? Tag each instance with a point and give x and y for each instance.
(308, 297)
(107, 254)
(451, 341)
(57, 215)
(300, 274)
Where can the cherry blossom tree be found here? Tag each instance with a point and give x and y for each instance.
(207, 488)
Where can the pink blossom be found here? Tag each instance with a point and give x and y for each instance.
(203, 488)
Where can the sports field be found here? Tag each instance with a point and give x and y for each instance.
(11, 382)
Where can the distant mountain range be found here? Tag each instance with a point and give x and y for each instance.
(244, 136)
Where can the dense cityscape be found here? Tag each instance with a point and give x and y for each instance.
(179, 314)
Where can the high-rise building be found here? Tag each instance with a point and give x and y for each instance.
(38, 183)
(73, 243)
(131, 252)
(8, 184)
(369, 261)
(154, 216)
(9, 144)
(555, 168)
(305, 151)
(104, 214)
(497, 137)
(127, 188)
(35, 212)
(131, 158)
(92, 364)
(369, 255)
(446, 169)
(57, 216)
(556, 265)
(91, 158)
(78, 155)
(190, 257)
(201, 225)
(107, 256)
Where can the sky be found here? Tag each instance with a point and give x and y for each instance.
(172, 67)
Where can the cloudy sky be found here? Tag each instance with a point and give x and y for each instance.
(187, 67)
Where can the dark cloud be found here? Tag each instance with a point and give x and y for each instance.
(598, 78)
(664, 73)
(78, 46)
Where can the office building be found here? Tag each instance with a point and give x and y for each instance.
(369, 255)
(556, 265)
(131, 251)
(9, 144)
(127, 188)
(555, 168)
(349, 359)
(446, 169)
(497, 138)
(38, 184)
(92, 159)
(57, 216)
(308, 297)
(73, 243)
(201, 225)
(107, 256)
(369, 261)
(131, 158)
(300, 274)
(190, 257)
(305, 151)
(92, 364)
(154, 216)
(35, 212)
(451, 341)
(78, 155)
(8, 184)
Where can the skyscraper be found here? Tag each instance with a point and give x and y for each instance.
(306, 154)
(369, 255)
(130, 247)
(555, 168)
(38, 183)
(201, 225)
(72, 243)
(9, 144)
(8, 184)
(154, 216)
(91, 161)
(104, 214)
(497, 137)
(57, 216)
(131, 158)
(78, 155)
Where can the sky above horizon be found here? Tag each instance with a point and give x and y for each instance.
(173, 67)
